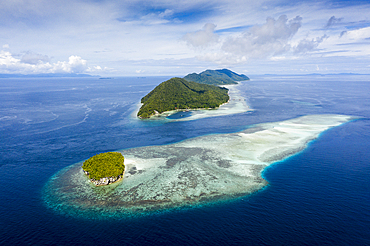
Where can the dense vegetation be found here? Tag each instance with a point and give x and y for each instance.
(177, 93)
(216, 77)
(103, 165)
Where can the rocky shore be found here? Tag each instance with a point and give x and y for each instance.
(105, 180)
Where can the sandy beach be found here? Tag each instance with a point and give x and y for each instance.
(235, 105)
(207, 168)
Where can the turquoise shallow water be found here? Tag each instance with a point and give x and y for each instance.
(319, 196)
(196, 171)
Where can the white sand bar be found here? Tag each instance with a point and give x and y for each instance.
(236, 105)
(208, 168)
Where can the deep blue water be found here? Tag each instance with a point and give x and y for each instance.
(320, 196)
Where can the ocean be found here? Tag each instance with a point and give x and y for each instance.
(319, 196)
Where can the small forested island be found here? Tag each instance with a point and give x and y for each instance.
(194, 91)
(216, 77)
(105, 168)
(178, 93)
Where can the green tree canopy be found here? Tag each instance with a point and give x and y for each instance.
(109, 164)
(177, 93)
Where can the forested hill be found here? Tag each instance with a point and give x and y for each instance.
(216, 77)
(178, 93)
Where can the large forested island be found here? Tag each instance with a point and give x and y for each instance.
(178, 93)
(216, 77)
(104, 168)
(194, 91)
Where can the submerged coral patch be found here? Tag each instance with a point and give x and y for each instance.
(204, 169)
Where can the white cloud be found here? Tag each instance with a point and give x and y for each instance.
(306, 45)
(75, 64)
(353, 43)
(166, 13)
(358, 34)
(202, 37)
(6, 59)
(271, 38)
(33, 58)
(136, 30)
(32, 63)
(332, 21)
(259, 42)
(157, 18)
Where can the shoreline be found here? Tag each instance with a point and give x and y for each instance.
(96, 185)
(235, 105)
(194, 171)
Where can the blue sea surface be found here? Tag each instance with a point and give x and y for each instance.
(320, 196)
(179, 115)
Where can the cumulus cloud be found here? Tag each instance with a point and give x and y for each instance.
(32, 63)
(33, 58)
(306, 45)
(332, 21)
(271, 38)
(75, 64)
(202, 38)
(6, 59)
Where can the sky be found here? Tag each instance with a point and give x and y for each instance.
(166, 37)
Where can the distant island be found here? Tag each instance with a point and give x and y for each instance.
(104, 168)
(194, 91)
(216, 77)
